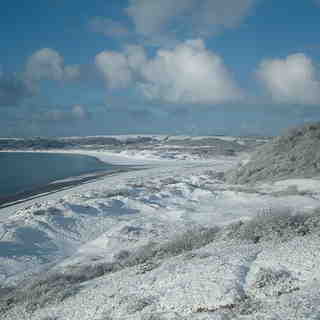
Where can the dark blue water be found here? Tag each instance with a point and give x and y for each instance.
(21, 171)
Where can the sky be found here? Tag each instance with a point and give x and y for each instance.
(200, 67)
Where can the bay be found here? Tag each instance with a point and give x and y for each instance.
(24, 171)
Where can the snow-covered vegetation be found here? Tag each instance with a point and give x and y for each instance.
(293, 155)
(171, 241)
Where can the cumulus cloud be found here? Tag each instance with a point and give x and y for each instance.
(13, 90)
(188, 73)
(45, 64)
(108, 27)
(115, 69)
(191, 18)
(291, 80)
(136, 57)
(48, 64)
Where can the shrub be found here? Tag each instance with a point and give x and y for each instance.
(273, 225)
(274, 282)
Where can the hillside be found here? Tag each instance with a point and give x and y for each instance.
(296, 154)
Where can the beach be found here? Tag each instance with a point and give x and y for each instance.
(56, 186)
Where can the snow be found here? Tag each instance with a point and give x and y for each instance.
(129, 223)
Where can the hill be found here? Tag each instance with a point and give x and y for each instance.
(296, 154)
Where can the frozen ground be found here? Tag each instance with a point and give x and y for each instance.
(172, 241)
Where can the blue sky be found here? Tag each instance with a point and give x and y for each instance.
(158, 66)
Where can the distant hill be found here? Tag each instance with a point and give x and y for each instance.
(296, 154)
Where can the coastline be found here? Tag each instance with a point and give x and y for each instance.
(68, 182)
(124, 164)
(57, 186)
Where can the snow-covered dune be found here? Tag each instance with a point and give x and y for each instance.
(171, 241)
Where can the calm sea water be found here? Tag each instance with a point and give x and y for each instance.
(21, 171)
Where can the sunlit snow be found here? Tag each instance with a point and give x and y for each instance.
(122, 247)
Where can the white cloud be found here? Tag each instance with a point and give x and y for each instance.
(45, 64)
(189, 73)
(136, 57)
(191, 18)
(48, 64)
(115, 69)
(291, 80)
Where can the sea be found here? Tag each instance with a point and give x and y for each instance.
(24, 171)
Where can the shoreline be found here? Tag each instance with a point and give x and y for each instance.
(68, 182)
(120, 162)
(59, 185)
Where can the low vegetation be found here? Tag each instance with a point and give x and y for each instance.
(293, 155)
(52, 288)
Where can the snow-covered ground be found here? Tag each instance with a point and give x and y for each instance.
(171, 241)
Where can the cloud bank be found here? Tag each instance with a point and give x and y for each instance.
(188, 73)
(291, 80)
